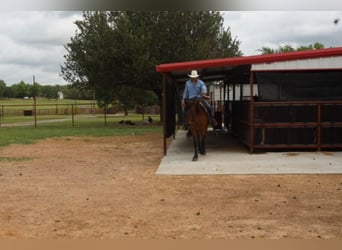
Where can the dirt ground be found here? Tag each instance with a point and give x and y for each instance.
(106, 188)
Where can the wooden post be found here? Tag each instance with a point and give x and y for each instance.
(105, 115)
(164, 113)
(251, 113)
(234, 92)
(72, 115)
(319, 127)
(1, 114)
(176, 106)
(34, 103)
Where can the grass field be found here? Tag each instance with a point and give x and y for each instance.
(28, 135)
(20, 110)
(21, 129)
(15, 111)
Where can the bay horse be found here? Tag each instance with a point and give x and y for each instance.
(196, 117)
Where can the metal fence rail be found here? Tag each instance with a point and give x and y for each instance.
(21, 114)
(288, 124)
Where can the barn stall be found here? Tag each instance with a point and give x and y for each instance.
(268, 102)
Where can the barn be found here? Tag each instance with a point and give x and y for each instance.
(268, 102)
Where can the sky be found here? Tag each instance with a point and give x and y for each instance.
(32, 42)
(257, 29)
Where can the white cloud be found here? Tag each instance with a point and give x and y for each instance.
(274, 28)
(32, 43)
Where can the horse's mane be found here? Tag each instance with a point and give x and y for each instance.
(195, 105)
(197, 102)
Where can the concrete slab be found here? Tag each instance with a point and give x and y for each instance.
(227, 156)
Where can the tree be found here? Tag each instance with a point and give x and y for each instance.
(151, 38)
(311, 46)
(21, 89)
(90, 62)
(72, 92)
(49, 92)
(289, 48)
(2, 88)
(9, 92)
(111, 49)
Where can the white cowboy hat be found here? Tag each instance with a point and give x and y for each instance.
(194, 74)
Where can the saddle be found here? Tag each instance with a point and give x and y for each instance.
(200, 100)
(212, 120)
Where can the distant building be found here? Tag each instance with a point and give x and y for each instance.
(60, 95)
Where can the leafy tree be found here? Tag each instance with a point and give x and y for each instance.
(112, 49)
(72, 92)
(34, 90)
(90, 62)
(311, 46)
(9, 92)
(267, 50)
(21, 89)
(151, 38)
(49, 92)
(2, 88)
(289, 48)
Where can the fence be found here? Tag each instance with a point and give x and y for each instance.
(288, 124)
(28, 114)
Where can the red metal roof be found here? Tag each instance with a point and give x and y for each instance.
(248, 60)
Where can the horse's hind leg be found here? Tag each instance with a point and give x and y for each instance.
(196, 143)
(202, 146)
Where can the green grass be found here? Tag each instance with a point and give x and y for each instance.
(83, 127)
(84, 124)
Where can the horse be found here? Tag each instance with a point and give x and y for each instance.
(196, 118)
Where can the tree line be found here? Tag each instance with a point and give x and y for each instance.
(22, 90)
(288, 48)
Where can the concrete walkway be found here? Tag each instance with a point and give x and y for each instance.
(227, 156)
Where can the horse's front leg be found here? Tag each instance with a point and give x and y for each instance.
(195, 142)
(202, 145)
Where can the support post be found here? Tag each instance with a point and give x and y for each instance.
(164, 113)
(251, 113)
(319, 126)
(72, 115)
(34, 103)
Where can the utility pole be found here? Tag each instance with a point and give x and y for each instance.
(34, 102)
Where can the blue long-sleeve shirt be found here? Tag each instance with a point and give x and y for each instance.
(194, 90)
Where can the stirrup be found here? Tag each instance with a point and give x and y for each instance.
(213, 122)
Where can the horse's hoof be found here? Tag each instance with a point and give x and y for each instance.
(203, 153)
(194, 159)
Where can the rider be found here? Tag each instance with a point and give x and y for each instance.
(195, 87)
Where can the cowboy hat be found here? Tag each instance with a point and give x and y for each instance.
(194, 74)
